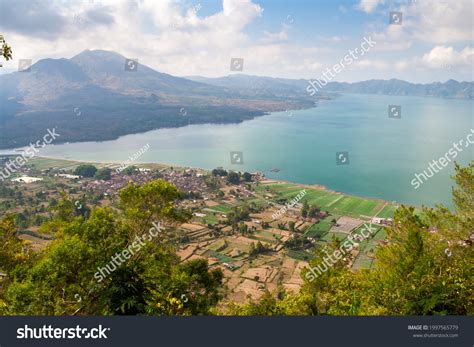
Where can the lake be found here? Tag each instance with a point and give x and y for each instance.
(383, 153)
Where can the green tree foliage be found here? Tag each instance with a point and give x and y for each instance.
(219, 172)
(62, 279)
(103, 174)
(238, 214)
(11, 252)
(305, 209)
(257, 248)
(247, 176)
(233, 177)
(85, 170)
(130, 170)
(5, 49)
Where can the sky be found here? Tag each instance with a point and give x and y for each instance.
(433, 40)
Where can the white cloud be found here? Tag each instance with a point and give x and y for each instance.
(369, 6)
(335, 39)
(442, 56)
(448, 21)
(373, 64)
(280, 36)
(445, 21)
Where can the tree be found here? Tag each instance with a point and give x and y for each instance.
(21, 221)
(305, 209)
(5, 49)
(219, 172)
(243, 228)
(257, 249)
(313, 211)
(247, 177)
(11, 253)
(103, 174)
(85, 170)
(130, 170)
(233, 177)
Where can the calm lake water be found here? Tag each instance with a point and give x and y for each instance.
(384, 153)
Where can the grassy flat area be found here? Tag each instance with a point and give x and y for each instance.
(321, 228)
(299, 255)
(42, 163)
(335, 203)
(387, 212)
(222, 258)
(220, 208)
(209, 219)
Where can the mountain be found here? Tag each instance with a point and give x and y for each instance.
(257, 85)
(449, 89)
(247, 84)
(92, 96)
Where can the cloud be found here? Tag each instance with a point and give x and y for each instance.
(442, 57)
(335, 39)
(280, 36)
(373, 64)
(369, 6)
(32, 18)
(445, 22)
(448, 21)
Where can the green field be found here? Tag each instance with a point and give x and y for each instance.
(321, 228)
(299, 255)
(209, 219)
(387, 212)
(222, 258)
(220, 208)
(328, 237)
(335, 203)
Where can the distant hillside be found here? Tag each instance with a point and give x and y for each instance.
(92, 97)
(449, 89)
(248, 84)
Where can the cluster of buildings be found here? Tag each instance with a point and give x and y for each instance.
(189, 180)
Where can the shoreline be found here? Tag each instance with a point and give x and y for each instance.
(267, 179)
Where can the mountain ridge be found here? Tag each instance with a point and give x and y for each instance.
(393, 86)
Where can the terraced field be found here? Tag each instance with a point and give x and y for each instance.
(321, 228)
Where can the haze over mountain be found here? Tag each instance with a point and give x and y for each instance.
(449, 89)
(93, 97)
